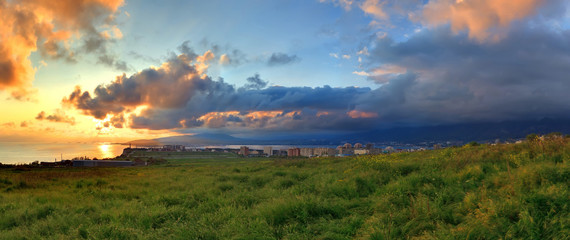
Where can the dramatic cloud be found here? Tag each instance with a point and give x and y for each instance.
(170, 86)
(483, 19)
(440, 77)
(51, 27)
(277, 59)
(58, 116)
(433, 77)
(180, 95)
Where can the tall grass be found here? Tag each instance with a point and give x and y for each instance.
(473, 192)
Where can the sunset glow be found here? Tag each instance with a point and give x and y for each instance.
(102, 70)
(106, 151)
(284, 119)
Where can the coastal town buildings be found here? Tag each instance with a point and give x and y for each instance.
(243, 150)
(294, 152)
(361, 151)
(268, 151)
(306, 152)
(324, 152)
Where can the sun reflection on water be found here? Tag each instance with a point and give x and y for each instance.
(106, 151)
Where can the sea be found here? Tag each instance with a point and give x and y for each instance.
(27, 152)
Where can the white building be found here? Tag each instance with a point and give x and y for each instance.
(268, 150)
(306, 152)
(361, 151)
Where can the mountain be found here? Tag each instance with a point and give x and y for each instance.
(456, 133)
(144, 142)
(464, 132)
(202, 139)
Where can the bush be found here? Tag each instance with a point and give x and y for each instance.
(473, 144)
(532, 138)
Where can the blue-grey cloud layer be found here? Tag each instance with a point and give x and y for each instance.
(443, 77)
(177, 96)
(523, 76)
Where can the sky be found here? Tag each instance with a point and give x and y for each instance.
(118, 70)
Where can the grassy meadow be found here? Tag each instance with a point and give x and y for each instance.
(515, 191)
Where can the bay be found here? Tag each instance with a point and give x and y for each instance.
(27, 152)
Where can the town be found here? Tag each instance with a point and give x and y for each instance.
(152, 155)
(346, 149)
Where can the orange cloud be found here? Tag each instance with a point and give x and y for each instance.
(360, 114)
(252, 119)
(374, 8)
(47, 26)
(217, 119)
(262, 114)
(224, 59)
(383, 73)
(485, 20)
(214, 115)
(203, 60)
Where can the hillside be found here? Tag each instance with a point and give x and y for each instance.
(471, 192)
(465, 132)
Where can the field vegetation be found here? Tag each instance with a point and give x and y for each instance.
(514, 191)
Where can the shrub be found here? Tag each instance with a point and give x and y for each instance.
(532, 138)
(473, 144)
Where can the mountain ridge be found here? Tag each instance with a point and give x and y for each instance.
(466, 132)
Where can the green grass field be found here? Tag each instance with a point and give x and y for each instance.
(517, 191)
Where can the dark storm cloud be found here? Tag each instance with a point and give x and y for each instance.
(277, 59)
(456, 80)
